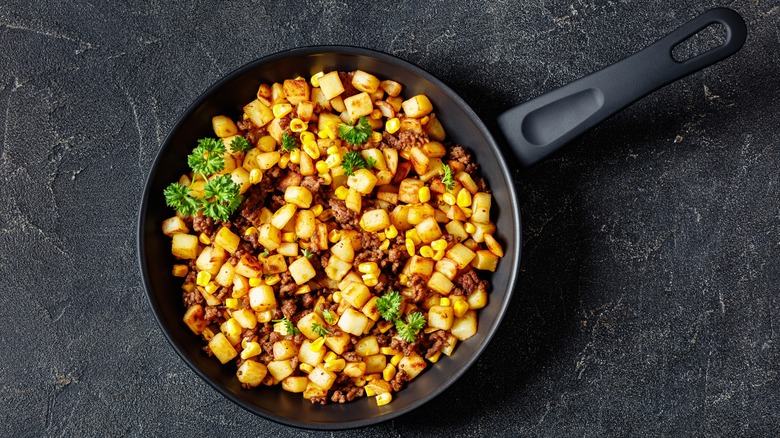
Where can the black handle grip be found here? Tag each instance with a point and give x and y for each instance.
(541, 126)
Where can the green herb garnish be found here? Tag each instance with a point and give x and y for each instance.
(206, 158)
(240, 144)
(177, 196)
(389, 305)
(330, 318)
(264, 253)
(288, 326)
(306, 253)
(221, 197)
(319, 329)
(357, 133)
(288, 142)
(353, 161)
(408, 330)
(370, 163)
(447, 179)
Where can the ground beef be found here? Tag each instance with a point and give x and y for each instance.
(436, 341)
(408, 139)
(254, 134)
(312, 183)
(321, 400)
(284, 123)
(307, 301)
(245, 125)
(391, 140)
(418, 285)
(397, 255)
(349, 89)
(351, 356)
(287, 286)
(404, 347)
(467, 282)
(250, 334)
(398, 381)
(192, 297)
(288, 308)
(482, 185)
(383, 340)
(254, 200)
(211, 315)
(345, 217)
(203, 224)
(348, 393)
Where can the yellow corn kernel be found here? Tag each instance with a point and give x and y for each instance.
(403, 279)
(232, 327)
(410, 247)
(428, 330)
(255, 281)
(326, 178)
(284, 161)
(384, 326)
(311, 149)
(369, 391)
(211, 287)
(334, 236)
(426, 251)
(448, 198)
(288, 237)
(295, 156)
(342, 192)
(333, 150)
(305, 368)
(375, 136)
(439, 244)
(204, 239)
(460, 307)
(397, 358)
(264, 317)
(188, 287)
(333, 160)
(307, 136)
(330, 356)
(412, 234)
(315, 79)
(298, 125)
(317, 210)
(324, 133)
(435, 357)
(375, 114)
(255, 176)
(303, 290)
(249, 231)
(464, 198)
(317, 344)
(425, 120)
(180, 270)
(424, 193)
(337, 297)
(208, 333)
(388, 373)
(281, 109)
(368, 268)
(470, 228)
(384, 246)
(370, 280)
(393, 125)
(252, 349)
(391, 232)
(360, 382)
(272, 279)
(388, 351)
(444, 301)
(321, 167)
(231, 303)
(439, 255)
(335, 365)
(203, 278)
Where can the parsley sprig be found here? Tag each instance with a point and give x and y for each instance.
(319, 329)
(206, 158)
(357, 133)
(306, 253)
(289, 328)
(177, 196)
(447, 179)
(408, 330)
(353, 161)
(288, 142)
(221, 197)
(240, 144)
(330, 318)
(389, 306)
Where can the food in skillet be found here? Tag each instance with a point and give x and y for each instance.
(330, 239)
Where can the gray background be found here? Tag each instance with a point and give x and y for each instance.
(648, 301)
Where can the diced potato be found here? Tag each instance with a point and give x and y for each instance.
(399, 217)
(434, 129)
(434, 149)
(337, 268)
(395, 102)
(355, 369)
(375, 363)
(318, 97)
(245, 317)
(359, 105)
(306, 166)
(258, 113)
(413, 365)
(354, 201)
(240, 285)
(376, 155)
(391, 159)
(343, 250)
(266, 143)
(351, 277)
(211, 259)
(365, 81)
(457, 229)
(193, 317)
(428, 230)
(227, 240)
(211, 300)
(441, 317)
(383, 177)
(269, 236)
(375, 220)
(356, 294)
(267, 160)
(283, 215)
(392, 88)
(418, 265)
(465, 326)
(420, 212)
(418, 106)
(250, 159)
(482, 230)
(240, 176)
(331, 85)
(285, 349)
(440, 283)
(306, 354)
(225, 275)
(297, 195)
(223, 126)
(455, 213)
(409, 189)
(362, 180)
(221, 347)
(419, 160)
(370, 309)
(261, 298)
(280, 369)
(353, 322)
(277, 93)
(313, 391)
(302, 270)
(295, 384)
(322, 377)
(480, 207)
(471, 244)
(478, 298)
(410, 124)
(184, 246)
(493, 245)
(485, 260)
(468, 182)
(251, 373)
(288, 249)
(447, 267)
(249, 266)
(275, 264)
(296, 90)
(305, 325)
(368, 346)
(174, 225)
(305, 224)
(337, 343)
(389, 197)
(460, 254)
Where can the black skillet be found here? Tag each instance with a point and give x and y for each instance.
(532, 130)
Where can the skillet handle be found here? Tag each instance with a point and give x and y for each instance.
(541, 126)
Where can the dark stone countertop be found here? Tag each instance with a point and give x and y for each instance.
(648, 302)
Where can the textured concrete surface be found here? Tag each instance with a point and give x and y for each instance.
(649, 293)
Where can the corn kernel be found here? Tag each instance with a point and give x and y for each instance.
(385, 245)
(387, 351)
(311, 149)
(439, 255)
(232, 327)
(321, 167)
(317, 344)
(470, 228)
(391, 232)
(426, 251)
(337, 297)
(444, 301)
(252, 349)
(295, 156)
(360, 382)
(333, 150)
(375, 114)
(448, 198)
(334, 236)
(204, 239)
(306, 368)
(368, 268)
(397, 358)
(249, 231)
(460, 307)
(203, 278)
(333, 160)
(281, 109)
(211, 287)
(272, 279)
(335, 365)
(288, 237)
(315, 79)
(435, 357)
(370, 280)
(180, 270)
(412, 234)
(330, 356)
(403, 279)
(410, 247)
(303, 290)
(466, 211)
(439, 244)
(424, 193)
(255, 281)
(375, 136)
(317, 210)
(255, 176)
(284, 161)
(464, 198)
(231, 303)
(298, 125)
(342, 192)
(393, 125)
(188, 287)
(384, 326)
(326, 179)
(425, 120)
(307, 136)
(264, 317)
(388, 373)
(324, 133)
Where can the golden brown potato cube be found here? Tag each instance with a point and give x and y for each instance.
(251, 373)
(447, 267)
(344, 250)
(367, 346)
(420, 212)
(359, 105)
(409, 190)
(338, 343)
(353, 322)
(375, 364)
(455, 213)
(384, 177)
(482, 230)
(418, 265)
(264, 91)
(280, 369)
(460, 254)
(223, 126)
(258, 113)
(184, 246)
(283, 215)
(261, 298)
(313, 391)
(298, 195)
(306, 323)
(419, 160)
(480, 208)
(365, 81)
(322, 377)
(267, 160)
(275, 264)
(384, 108)
(211, 259)
(428, 230)
(356, 294)
(337, 268)
(399, 217)
(227, 240)
(240, 176)
(285, 349)
(288, 249)
(389, 197)
(434, 129)
(351, 277)
(275, 130)
(338, 105)
(277, 93)
(305, 110)
(306, 354)
(305, 224)
(434, 149)
(392, 88)
(295, 384)
(302, 270)
(370, 310)
(193, 317)
(478, 298)
(249, 266)
(465, 326)
(375, 220)
(221, 347)
(269, 236)
(355, 369)
(467, 182)
(418, 106)
(413, 365)
(240, 285)
(318, 97)
(245, 317)
(440, 283)
(174, 225)
(376, 155)
(457, 229)
(296, 90)
(225, 275)
(493, 245)
(485, 260)
(331, 85)
(362, 180)
(354, 201)
(441, 317)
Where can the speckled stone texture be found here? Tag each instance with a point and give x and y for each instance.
(648, 300)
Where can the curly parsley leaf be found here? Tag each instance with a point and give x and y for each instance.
(288, 326)
(306, 253)
(330, 318)
(448, 179)
(288, 142)
(240, 144)
(370, 163)
(319, 329)
(206, 158)
(353, 161)
(357, 133)
(264, 253)
(221, 197)
(389, 305)
(177, 196)
(408, 330)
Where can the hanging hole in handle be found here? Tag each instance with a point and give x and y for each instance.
(701, 42)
